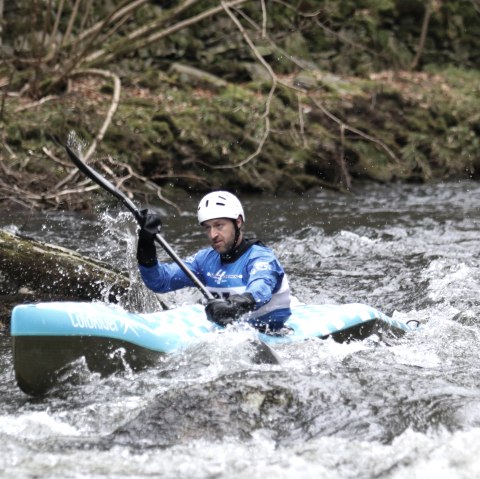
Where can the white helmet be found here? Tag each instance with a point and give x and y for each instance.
(219, 204)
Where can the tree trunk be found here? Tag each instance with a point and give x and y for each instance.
(34, 271)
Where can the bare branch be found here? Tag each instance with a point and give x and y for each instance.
(353, 129)
(36, 103)
(301, 121)
(71, 191)
(9, 150)
(301, 64)
(130, 45)
(266, 114)
(264, 19)
(54, 158)
(143, 179)
(250, 43)
(344, 174)
(423, 35)
(154, 25)
(67, 179)
(86, 13)
(343, 126)
(106, 123)
(71, 21)
(54, 32)
(79, 58)
(111, 111)
(118, 14)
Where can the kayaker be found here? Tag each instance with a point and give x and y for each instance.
(244, 275)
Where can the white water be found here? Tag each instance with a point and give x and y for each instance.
(409, 409)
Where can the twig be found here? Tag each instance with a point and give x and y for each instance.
(66, 179)
(71, 191)
(71, 21)
(353, 129)
(54, 158)
(154, 37)
(345, 176)
(301, 121)
(154, 25)
(343, 126)
(266, 114)
(123, 11)
(53, 34)
(10, 151)
(301, 64)
(103, 38)
(86, 13)
(106, 123)
(111, 111)
(264, 19)
(423, 34)
(81, 53)
(143, 179)
(36, 103)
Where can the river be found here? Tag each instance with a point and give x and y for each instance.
(406, 409)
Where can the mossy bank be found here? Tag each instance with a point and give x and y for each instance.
(308, 103)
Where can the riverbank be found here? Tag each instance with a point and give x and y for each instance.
(189, 133)
(194, 96)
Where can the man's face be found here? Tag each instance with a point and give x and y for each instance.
(221, 233)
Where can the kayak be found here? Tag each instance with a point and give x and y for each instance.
(49, 337)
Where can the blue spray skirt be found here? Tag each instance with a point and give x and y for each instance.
(47, 337)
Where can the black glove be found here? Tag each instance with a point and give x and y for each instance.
(150, 224)
(225, 311)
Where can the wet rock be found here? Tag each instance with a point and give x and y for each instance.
(235, 405)
(35, 271)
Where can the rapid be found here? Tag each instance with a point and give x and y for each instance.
(402, 408)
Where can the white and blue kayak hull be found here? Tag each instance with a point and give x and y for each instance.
(47, 337)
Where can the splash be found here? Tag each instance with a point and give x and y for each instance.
(75, 143)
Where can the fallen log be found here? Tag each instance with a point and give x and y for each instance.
(35, 271)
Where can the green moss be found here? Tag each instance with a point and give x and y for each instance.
(180, 136)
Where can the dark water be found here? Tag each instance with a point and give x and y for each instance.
(407, 409)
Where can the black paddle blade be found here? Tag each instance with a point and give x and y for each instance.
(263, 353)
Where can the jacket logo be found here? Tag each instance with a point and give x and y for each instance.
(220, 276)
(260, 266)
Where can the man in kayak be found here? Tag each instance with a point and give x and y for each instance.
(244, 275)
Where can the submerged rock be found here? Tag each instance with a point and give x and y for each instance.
(235, 405)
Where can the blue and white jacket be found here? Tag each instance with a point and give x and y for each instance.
(257, 271)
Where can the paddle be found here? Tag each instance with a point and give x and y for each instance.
(263, 354)
(106, 185)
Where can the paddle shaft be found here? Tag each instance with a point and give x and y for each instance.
(168, 249)
(106, 185)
